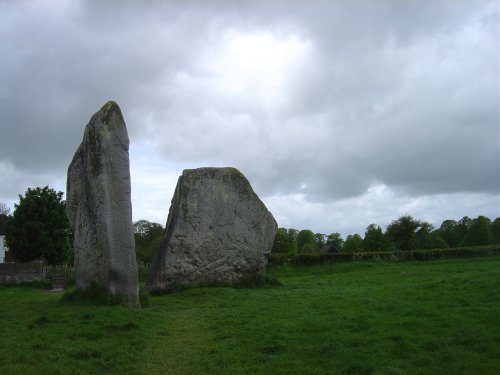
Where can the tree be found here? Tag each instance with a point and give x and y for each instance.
(4, 209)
(4, 217)
(335, 239)
(3, 223)
(439, 243)
(495, 231)
(448, 231)
(304, 237)
(353, 243)
(479, 232)
(147, 230)
(145, 233)
(284, 241)
(463, 226)
(39, 227)
(375, 240)
(293, 233)
(319, 240)
(309, 248)
(424, 236)
(147, 253)
(402, 232)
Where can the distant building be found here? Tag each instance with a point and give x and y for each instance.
(3, 249)
(330, 249)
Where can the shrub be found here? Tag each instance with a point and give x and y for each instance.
(307, 259)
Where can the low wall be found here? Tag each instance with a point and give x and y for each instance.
(22, 272)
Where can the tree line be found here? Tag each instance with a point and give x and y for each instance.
(405, 233)
(39, 229)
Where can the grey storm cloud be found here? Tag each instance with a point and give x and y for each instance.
(319, 98)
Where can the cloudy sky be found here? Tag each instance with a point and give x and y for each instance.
(340, 113)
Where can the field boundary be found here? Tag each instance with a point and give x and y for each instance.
(394, 256)
(22, 272)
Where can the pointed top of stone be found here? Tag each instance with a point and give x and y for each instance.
(110, 115)
(109, 107)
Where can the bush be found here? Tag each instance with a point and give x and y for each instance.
(308, 259)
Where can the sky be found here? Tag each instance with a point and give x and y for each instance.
(340, 113)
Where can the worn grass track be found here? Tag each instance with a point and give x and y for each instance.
(439, 317)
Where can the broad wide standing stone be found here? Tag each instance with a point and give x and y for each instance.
(99, 207)
(218, 231)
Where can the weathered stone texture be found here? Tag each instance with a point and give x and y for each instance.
(99, 206)
(218, 231)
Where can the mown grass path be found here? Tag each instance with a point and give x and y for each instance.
(440, 317)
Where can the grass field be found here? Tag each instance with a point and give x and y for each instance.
(438, 317)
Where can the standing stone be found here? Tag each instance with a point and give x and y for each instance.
(99, 207)
(218, 232)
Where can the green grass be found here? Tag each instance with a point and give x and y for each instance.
(435, 317)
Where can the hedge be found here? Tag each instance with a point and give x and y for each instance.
(462, 252)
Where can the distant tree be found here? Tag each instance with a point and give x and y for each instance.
(145, 233)
(144, 229)
(3, 223)
(465, 221)
(280, 241)
(305, 237)
(39, 227)
(479, 232)
(463, 226)
(147, 253)
(309, 248)
(4, 209)
(353, 243)
(336, 240)
(284, 241)
(449, 232)
(495, 231)
(375, 239)
(403, 232)
(439, 242)
(4, 217)
(293, 233)
(319, 240)
(424, 236)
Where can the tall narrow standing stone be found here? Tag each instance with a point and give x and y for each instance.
(218, 231)
(99, 207)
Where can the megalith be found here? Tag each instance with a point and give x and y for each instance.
(218, 232)
(99, 208)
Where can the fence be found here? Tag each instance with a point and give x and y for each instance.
(22, 272)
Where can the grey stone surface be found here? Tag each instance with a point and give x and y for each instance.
(99, 207)
(218, 231)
